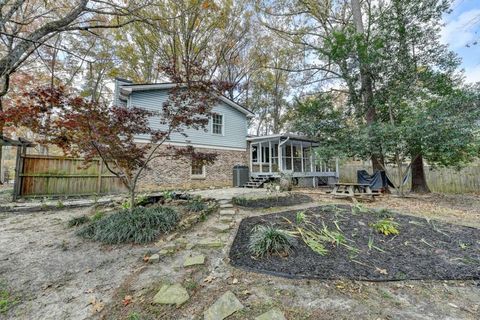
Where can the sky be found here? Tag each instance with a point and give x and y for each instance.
(461, 31)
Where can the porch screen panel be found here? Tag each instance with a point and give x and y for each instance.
(297, 159)
(275, 157)
(306, 160)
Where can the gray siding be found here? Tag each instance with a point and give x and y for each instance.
(235, 122)
(116, 94)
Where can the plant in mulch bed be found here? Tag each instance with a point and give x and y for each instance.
(140, 225)
(77, 221)
(336, 243)
(267, 240)
(317, 239)
(386, 226)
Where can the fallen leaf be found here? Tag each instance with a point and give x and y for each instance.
(146, 258)
(97, 305)
(209, 279)
(127, 300)
(235, 281)
(381, 271)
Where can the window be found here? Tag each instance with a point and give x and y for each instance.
(217, 124)
(198, 169)
(254, 154)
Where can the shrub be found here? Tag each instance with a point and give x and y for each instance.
(240, 201)
(386, 227)
(269, 240)
(77, 221)
(196, 205)
(141, 225)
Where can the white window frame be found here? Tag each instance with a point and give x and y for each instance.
(223, 124)
(203, 175)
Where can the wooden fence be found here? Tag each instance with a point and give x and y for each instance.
(441, 180)
(40, 176)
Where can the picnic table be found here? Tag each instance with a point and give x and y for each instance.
(353, 190)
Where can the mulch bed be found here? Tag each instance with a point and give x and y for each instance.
(423, 250)
(273, 201)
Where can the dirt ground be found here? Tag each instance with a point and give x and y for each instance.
(55, 275)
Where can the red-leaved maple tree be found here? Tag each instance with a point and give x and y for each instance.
(91, 130)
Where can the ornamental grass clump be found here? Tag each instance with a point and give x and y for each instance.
(196, 205)
(268, 240)
(140, 225)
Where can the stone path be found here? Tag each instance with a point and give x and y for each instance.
(226, 305)
(206, 248)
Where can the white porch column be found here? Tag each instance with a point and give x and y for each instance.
(269, 156)
(251, 157)
(337, 169)
(301, 153)
(280, 156)
(260, 156)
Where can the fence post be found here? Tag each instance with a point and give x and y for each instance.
(99, 181)
(17, 183)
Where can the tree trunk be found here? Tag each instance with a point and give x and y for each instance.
(366, 81)
(132, 199)
(419, 182)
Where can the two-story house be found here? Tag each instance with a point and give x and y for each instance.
(267, 157)
(226, 135)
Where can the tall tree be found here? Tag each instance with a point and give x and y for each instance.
(26, 25)
(339, 49)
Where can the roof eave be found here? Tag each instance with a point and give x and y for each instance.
(127, 90)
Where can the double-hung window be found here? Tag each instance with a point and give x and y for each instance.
(198, 169)
(217, 124)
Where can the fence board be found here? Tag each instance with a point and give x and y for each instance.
(443, 180)
(63, 176)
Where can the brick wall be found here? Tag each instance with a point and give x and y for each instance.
(170, 173)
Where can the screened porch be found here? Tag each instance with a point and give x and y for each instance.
(276, 154)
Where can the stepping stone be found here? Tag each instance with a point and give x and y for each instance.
(223, 201)
(171, 294)
(221, 227)
(210, 243)
(227, 212)
(195, 260)
(226, 206)
(226, 305)
(163, 252)
(273, 314)
(154, 258)
(226, 219)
